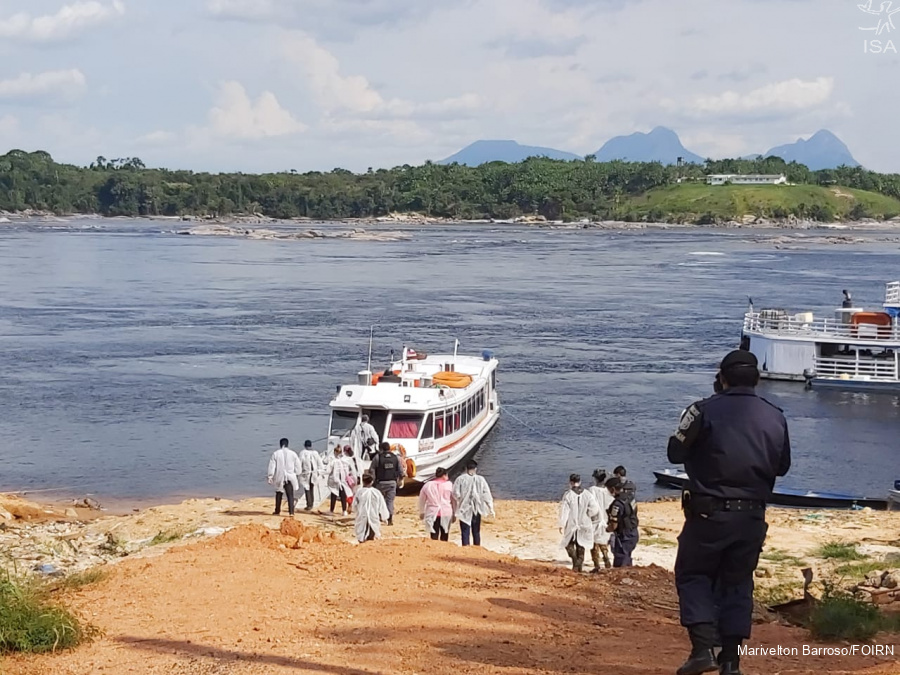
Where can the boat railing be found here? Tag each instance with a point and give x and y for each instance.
(892, 293)
(868, 369)
(756, 322)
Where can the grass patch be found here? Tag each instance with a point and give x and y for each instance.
(81, 579)
(775, 555)
(835, 550)
(166, 537)
(693, 201)
(30, 623)
(860, 570)
(657, 540)
(842, 617)
(779, 556)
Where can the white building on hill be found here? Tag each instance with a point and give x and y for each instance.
(746, 179)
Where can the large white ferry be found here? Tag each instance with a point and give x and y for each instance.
(855, 349)
(435, 409)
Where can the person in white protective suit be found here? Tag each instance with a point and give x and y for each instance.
(371, 510)
(339, 478)
(311, 468)
(473, 501)
(578, 513)
(361, 433)
(437, 505)
(282, 474)
(601, 536)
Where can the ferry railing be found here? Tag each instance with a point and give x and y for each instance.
(754, 322)
(892, 293)
(869, 369)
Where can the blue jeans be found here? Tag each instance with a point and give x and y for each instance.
(475, 530)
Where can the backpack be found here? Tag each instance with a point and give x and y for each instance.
(629, 492)
(388, 468)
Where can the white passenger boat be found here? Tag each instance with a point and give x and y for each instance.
(854, 349)
(435, 409)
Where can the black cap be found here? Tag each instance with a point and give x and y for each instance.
(307, 444)
(739, 358)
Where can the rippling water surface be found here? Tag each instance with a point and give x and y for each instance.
(139, 364)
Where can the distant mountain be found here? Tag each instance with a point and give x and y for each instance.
(823, 150)
(481, 152)
(660, 145)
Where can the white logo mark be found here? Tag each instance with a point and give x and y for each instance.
(885, 16)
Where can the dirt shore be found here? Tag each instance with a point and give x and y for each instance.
(214, 587)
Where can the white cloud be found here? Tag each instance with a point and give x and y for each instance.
(336, 18)
(331, 89)
(69, 20)
(790, 95)
(248, 10)
(236, 116)
(53, 86)
(157, 138)
(339, 93)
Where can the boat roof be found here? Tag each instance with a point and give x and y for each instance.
(405, 397)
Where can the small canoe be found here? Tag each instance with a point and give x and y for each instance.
(787, 496)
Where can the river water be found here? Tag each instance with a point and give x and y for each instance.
(141, 365)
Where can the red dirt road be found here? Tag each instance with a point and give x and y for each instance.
(247, 602)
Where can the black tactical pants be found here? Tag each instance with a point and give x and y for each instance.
(623, 546)
(717, 556)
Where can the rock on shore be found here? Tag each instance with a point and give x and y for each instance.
(221, 230)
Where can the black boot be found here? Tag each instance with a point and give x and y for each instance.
(702, 661)
(702, 658)
(729, 657)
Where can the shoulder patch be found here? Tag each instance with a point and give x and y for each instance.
(689, 417)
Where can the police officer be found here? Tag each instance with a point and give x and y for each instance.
(733, 446)
(387, 468)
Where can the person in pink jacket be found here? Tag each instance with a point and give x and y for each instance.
(437, 505)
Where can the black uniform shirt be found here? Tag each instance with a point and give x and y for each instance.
(733, 445)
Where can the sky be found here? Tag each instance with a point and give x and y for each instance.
(275, 85)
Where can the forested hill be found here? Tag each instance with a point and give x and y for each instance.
(553, 188)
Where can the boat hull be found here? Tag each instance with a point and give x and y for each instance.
(854, 385)
(789, 497)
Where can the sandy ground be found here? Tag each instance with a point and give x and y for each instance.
(252, 600)
(522, 529)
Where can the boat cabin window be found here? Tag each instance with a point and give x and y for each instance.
(378, 420)
(428, 430)
(405, 426)
(343, 421)
(439, 424)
